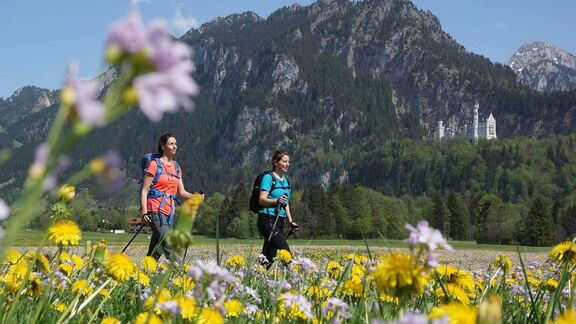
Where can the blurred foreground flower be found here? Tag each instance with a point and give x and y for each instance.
(426, 239)
(107, 169)
(82, 97)
(180, 237)
(166, 83)
(66, 193)
(564, 252)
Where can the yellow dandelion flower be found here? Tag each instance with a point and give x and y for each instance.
(358, 271)
(66, 193)
(551, 285)
(149, 264)
(82, 287)
(293, 312)
(120, 267)
(104, 293)
(535, 282)
(66, 268)
(503, 262)
(162, 266)
(142, 278)
(456, 312)
(358, 258)
(97, 166)
(454, 291)
(188, 306)
(64, 232)
(389, 299)
(334, 269)
(12, 282)
(460, 277)
(568, 317)
(110, 320)
(34, 288)
(147, 318)
(564, 252)
(234, 308)
(186, 283)
(41, 264)
(18, 270)
(13, 256)
(352, 288)
(284, 256)
(78, 261)
(160, 296)
(192, 204)
(64, 256)
(58, 306)
(210, 316)
(317, 292)
(400, 275)
(235, 261)
(490, 310)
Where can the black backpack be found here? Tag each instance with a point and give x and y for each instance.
(255, 196)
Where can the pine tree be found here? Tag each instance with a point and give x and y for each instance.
(240, 200)
(225, 217)
(460, 227)
(317, 202)
(540, 229)
(440, 217)
(568, 222)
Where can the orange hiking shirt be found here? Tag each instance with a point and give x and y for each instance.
(166, 184)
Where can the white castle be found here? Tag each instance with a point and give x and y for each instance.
(473, 129)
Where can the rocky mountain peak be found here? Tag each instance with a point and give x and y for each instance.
(25, 101)
(544, 67)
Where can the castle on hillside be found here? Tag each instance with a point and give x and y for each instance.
(472, 129)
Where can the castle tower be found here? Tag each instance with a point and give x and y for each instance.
(475, 134)
(439, 131)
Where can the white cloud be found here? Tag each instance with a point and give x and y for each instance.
(135, 2)
(181, 23)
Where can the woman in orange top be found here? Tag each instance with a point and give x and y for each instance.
(162, 183)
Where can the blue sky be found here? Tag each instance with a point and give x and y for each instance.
(39, 38)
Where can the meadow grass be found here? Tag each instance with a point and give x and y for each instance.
(33, 238)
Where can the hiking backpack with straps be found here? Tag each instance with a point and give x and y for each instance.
(255, 206)
(153, 192)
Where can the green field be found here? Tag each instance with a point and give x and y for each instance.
(33, 238)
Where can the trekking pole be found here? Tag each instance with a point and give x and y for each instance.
(133, 237)
(292, 228)
(277, 211)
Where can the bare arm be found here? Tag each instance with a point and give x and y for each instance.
(265, 201)
(288, 214)
(146, 183)
(182, 191)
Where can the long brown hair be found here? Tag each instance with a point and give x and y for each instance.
(277, 156)
(163, 140)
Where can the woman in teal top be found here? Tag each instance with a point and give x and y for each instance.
(274, 197)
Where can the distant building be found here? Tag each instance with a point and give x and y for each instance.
(473, 129)
(135, 223)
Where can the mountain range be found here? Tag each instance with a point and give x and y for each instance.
(544, 67)
(326, 81)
